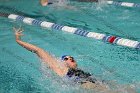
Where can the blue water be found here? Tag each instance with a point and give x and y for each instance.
(22, 71)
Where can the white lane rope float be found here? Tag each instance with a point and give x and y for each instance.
(125, 4)
(77, 31)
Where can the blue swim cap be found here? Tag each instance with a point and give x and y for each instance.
(62, 58)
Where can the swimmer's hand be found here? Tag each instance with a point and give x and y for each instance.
(18, 32)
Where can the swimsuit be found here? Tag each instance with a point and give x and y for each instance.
(80, 76)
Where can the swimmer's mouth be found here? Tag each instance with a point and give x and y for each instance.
(72, 61)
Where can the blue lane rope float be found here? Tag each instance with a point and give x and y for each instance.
(126, 4)
(77, 31)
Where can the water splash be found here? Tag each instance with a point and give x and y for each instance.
(62, 2)
(101, 3)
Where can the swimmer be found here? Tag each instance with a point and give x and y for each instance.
(69, 68)
(45, 2)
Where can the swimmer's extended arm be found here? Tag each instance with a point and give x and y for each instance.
(45, 56)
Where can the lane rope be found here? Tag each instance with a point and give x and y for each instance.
(77, 31)
(126, 4)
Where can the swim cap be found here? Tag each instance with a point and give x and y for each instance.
(62, 58)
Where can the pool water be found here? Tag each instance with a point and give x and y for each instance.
(22, 71)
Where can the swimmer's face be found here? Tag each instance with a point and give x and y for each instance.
(71, 63)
